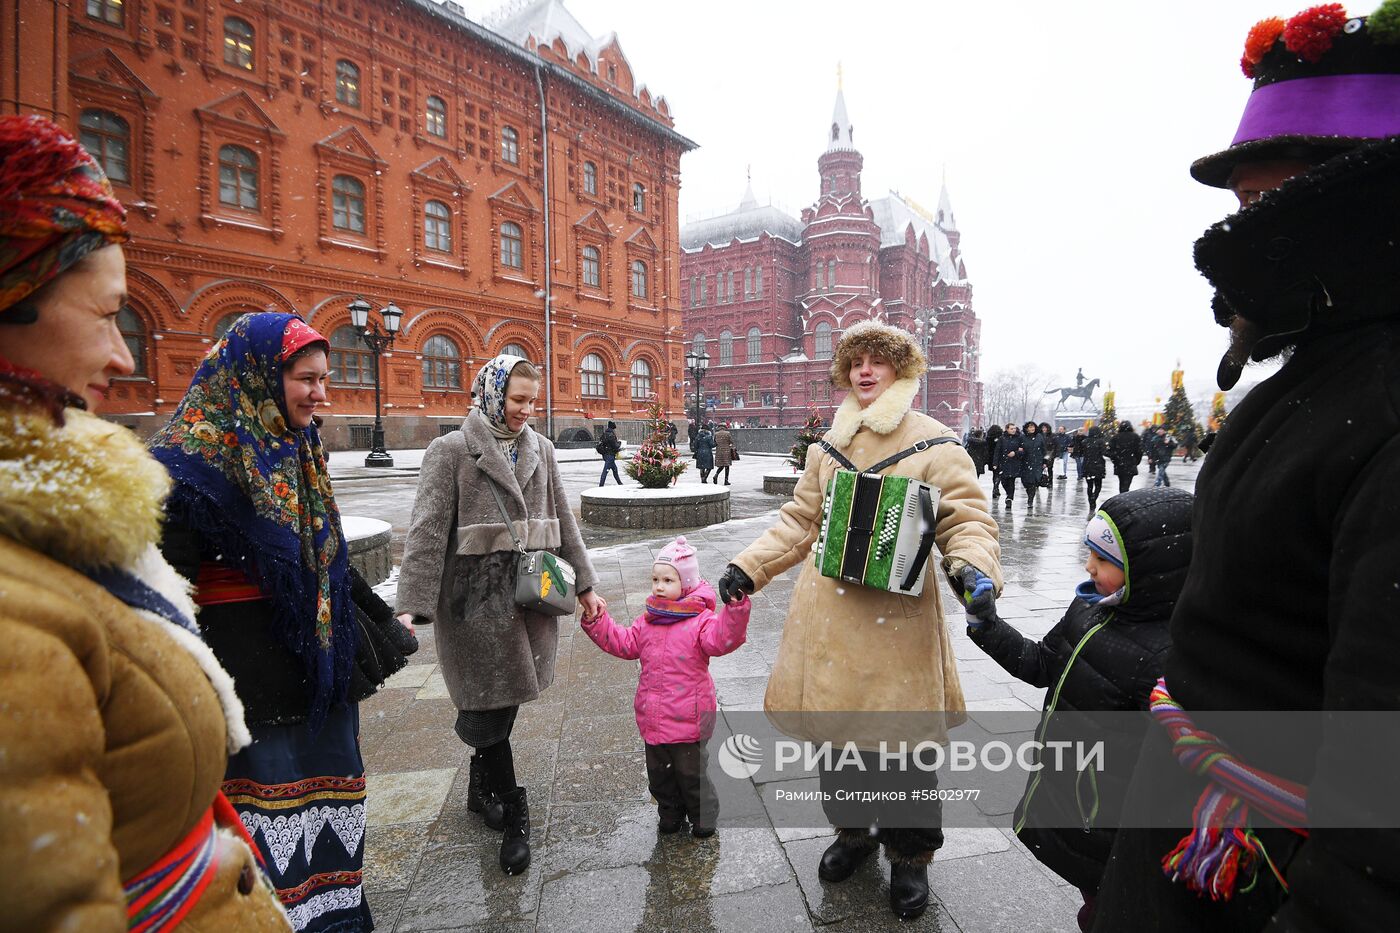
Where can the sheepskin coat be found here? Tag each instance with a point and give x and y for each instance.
(115, 724)
(458, 570)
(850, 649)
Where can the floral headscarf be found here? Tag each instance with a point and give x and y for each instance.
(490, 388)
(260, 491)
(56, 206)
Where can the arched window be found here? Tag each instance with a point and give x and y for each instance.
(238, 43)
(831, 273)
(512, 252)
(238, 178)
(590, 178)
(437, 227)
(639, 279)
(510, 145)
(641, 379)
(347, 83)
(639, 198)
(111, 12)
(823, 341)
(754, 350)
(748, 282)
(592, 267)
(819, 277)
(435, 117)
(515, 349)
(351, 362)
(348, 204)
(593, 383)
(108, 137)
(442, 365)
(222, 325)
(726, 348)
(699, 342)
(134, 336)
(758, 282)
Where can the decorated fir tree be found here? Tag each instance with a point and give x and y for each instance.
(656, 463)
(1108, 417)
(807, 435)
(1217, 412)
(1179, 418)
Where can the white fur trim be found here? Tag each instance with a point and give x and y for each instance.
(881, 416)
(153, 570)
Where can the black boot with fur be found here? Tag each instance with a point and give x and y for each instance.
(908, 883)
(851, 848)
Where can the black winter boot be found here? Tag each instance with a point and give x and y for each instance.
(851, 848)
(480, 797)
(515, 840)
(908, 887)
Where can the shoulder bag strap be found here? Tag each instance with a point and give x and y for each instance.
(500, 504)
(837, 456)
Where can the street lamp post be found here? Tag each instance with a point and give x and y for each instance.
(782, 403)
(378, 341)
(926, 321)
(696, 363)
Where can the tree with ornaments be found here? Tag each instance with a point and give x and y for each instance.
(1108, 417)
(656, 463)
(807, 435)
(1179, 418)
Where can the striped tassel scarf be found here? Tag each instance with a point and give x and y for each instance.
(1222, 847)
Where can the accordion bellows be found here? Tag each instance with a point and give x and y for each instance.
(877, 531)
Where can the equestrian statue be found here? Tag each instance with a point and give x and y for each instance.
(1085, 392)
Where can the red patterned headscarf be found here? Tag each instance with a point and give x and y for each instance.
(56, 206)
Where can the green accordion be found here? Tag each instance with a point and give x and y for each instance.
(877, 530)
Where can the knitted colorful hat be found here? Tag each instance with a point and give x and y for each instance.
(1323, 83)
(681, 556)
(56, 206)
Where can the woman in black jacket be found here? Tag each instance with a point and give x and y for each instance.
(1105, 655)
(1009, 460)
(1125, 450)
(1091, 452)
(1033, 442)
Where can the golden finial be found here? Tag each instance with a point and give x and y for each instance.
(838, 76)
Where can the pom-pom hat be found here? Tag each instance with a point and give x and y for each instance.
(1323, 83)
(681, 556)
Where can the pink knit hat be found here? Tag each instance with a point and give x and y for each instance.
(681, 556)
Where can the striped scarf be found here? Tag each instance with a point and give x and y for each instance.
(1222, 845)
(662, 611)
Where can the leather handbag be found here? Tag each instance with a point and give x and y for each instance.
(544, 582)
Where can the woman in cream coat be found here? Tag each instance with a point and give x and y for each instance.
(853, 657)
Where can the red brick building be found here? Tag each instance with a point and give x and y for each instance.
(768, 295)
(293, 155)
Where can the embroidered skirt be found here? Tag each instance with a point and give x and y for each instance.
(302, 800)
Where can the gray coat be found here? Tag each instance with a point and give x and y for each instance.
(458, 571)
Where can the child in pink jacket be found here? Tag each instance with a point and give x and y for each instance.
(675, 639)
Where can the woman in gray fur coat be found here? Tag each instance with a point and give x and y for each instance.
(459, 573)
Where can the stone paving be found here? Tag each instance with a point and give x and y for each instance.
(599, 863)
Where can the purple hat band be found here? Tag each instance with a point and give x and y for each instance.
(1356, 106)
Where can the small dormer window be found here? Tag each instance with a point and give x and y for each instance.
(835, 132)
(612, 73)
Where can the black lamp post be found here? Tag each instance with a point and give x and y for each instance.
(782, 403)
(696, 364)
(925, 325)
(378, 341)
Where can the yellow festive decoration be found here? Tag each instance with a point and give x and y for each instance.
(544, 584)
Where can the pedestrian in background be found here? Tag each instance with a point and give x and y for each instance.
(1162, 446)
(1076, 450)
(993, 435)
(976, 445)
(1091, 456)
(608, 445)
(725, 454)
(1125, 450)
(703, 448)
(1062, 450)
(1033, 462)
(1010, 460)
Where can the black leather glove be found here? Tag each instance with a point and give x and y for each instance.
(734, 584)
(978, 593)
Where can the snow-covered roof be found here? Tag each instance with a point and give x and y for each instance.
(841, 134)
(747, 223)
(893, 214)
(546, 20)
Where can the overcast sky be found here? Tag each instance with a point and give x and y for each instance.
(1066, 131)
